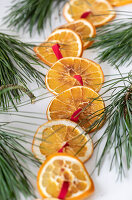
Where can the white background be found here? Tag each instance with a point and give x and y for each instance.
(106, 185)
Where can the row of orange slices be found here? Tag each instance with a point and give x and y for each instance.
(75, 81)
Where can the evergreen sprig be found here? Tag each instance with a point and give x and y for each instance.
(14, 171)
(118, 117)
(16, 67)
(26, 14)
(114, 42)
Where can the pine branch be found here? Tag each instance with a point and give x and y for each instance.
(118, 131)
(26, 14)
(114, 42)
(16, 67)
(13, 169)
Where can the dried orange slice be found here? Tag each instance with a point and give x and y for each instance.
(84, 28)
(62, 136)
(69, 42)
(99, 12)
(120, 2)
(80, 98)
(62, 75)
(64, 175)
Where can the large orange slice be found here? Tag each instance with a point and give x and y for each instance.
(99, 12)
(70, 45)
(62, 75)
(84, 28)
(120, 2)
(64, 106)
(60, 169)
(62, 136)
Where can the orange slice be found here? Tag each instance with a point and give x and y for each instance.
(62, 75)
(64, 136)
(64, 105)
(99, 11)
(84, 28)
(120, 2)
(70, 45)
(63, 168)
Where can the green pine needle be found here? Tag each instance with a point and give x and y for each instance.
(13, 167)
(118, 130)
(26, 14)
(16, 67)
(114, 42)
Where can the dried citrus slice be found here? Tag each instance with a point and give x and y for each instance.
(79, 100)
(63, 75)
(84, 28)
(69, 44)
(64, 176)
(62, 136)
(99, 12)
(120, 2)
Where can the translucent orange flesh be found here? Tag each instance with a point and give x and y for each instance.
(100, 12)
(83, 29)
(58, 172)
(66, 103)
(61, 76)
(69, 46)
(55, 137)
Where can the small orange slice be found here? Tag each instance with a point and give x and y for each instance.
(120, 2)
(64, 105)
(61, 76)
(63, 135)
(60, 168)
(84, 28)
(70, 45)
(100, 11)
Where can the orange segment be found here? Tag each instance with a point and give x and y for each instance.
(65, 104)
(84, 28)
(61, 75)
(120, 2)
(101, 11)
(54, 135)
(62, 167)
(70, 45)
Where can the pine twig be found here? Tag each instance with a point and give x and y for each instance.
(118, 118)
(114, 42)
(28, 13)
(13, 169)
(16, 68)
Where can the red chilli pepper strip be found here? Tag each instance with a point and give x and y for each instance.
(56, 49)
(75, 118)
(86, 14)
(79, 78)
(64, 190)
(61, 150)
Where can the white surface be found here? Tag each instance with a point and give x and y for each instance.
(106, 185)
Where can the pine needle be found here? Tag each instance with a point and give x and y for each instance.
(118, 130)
(26, 14)
(13, 166)
(114, 42)
(16, 67)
